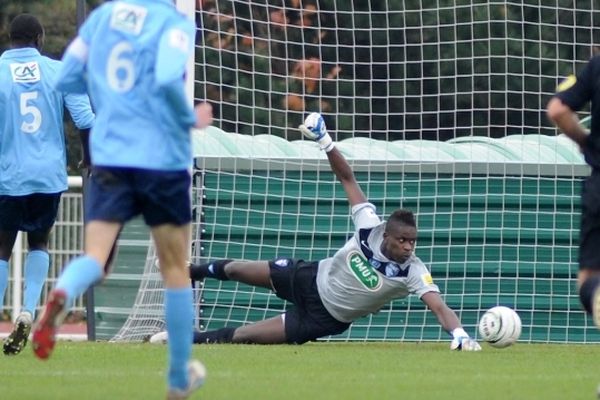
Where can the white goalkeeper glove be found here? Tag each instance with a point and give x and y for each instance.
(314, 128)
(463, 342)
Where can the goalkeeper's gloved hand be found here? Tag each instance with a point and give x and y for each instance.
(462, 341)
(314, 128)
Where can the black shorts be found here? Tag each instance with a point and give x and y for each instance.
(589, 235)
(296, 282)
(119, 194)
(30, 213)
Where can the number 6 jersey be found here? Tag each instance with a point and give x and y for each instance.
(132, 56)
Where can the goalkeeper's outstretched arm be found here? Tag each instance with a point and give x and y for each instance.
(314, 128)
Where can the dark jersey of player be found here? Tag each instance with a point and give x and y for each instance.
(576, 93)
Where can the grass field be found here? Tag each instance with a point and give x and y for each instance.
(379, 371)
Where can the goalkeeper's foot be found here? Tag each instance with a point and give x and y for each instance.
(196, 377)
(44, 332)
(16, 341)
(159, 338)
(596, 307)
(198, 271)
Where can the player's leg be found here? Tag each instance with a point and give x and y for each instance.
(10, 222)
(79, 274)
(298, 325)
(589, 242)
(37, 263)
(7, 241)
(269, 331)
(32, 214)
(294, 281)
(589, 292)
(41, 215)
(255, 273)
(16, 340)
(171, 247)
(36, 267)
(172, 242)
(168, 213)
(109, 203)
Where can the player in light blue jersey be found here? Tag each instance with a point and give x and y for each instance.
(135, 81)
(32, 160)
(131, 57)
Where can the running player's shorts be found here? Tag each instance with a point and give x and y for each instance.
(295, 281)
(118, 194)
(29, 213)
(589, 234)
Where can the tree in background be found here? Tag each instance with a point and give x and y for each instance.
(395, 69)
(482, 68)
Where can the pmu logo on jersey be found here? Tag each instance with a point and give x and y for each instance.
(364, 271)
(25, 72)
(128, 18)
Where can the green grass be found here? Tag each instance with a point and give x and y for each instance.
(314, 371)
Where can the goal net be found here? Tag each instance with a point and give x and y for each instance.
(440, 109)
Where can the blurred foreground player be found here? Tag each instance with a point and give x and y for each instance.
(131, 56)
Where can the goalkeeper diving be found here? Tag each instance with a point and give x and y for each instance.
(374, 267)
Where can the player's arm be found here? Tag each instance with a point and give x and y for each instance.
(314, 128)
(571, 96)
(450, 322)
(80, 109)
(72, 77)
(567, 121)
(81, 112)
(175, 48)
(72, 74)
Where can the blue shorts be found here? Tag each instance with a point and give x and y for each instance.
(118, 194)
(31, 213)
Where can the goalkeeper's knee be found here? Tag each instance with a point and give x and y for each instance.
(214, 269)
(587, 290)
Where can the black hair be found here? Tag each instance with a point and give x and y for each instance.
(402, 216)
(26, 29)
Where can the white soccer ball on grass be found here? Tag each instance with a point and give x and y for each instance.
(500, 326)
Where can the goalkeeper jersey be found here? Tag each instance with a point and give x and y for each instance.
(359, 279)
(131, 56)
(32, 141)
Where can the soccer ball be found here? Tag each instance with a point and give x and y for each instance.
(500, 326)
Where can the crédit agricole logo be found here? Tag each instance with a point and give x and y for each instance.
(363, 271)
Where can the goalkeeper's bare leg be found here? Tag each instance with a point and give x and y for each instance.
(291, 280)
(269, 331)
(255, 273)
